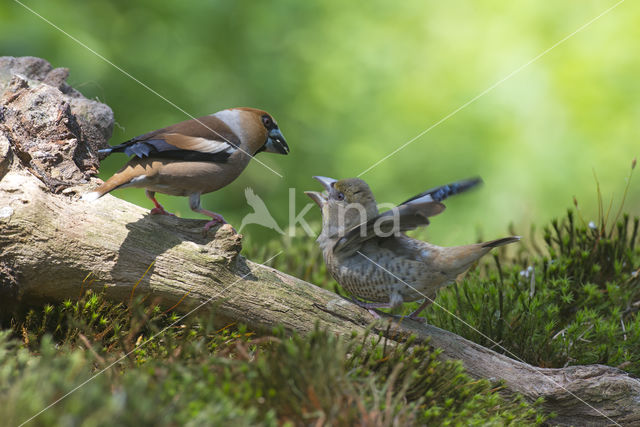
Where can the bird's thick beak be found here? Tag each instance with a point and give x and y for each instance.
(327, 183)
(319, 198)
(276, 143)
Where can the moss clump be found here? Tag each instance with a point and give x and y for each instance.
(141, 365)
(573, 306)
(573, 300)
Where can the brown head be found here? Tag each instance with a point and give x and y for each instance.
(345, 204)
(256, 129)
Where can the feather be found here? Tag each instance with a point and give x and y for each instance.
(402, 218)
(203, 139)
(439, 194)
(90, 197)
(500, 242)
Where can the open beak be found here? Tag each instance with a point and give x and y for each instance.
(321, 198)
(327, 183)
(276, 143)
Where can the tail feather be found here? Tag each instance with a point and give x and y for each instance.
(129, 175)
(91, 196)
(120, 148)
(458, 259)
(105, 188)
(500, 242)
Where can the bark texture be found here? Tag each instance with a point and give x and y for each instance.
(52, 245)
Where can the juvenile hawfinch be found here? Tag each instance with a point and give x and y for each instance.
(194, 157)
(369, 255)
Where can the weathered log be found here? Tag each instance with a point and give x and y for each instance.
(54, 245)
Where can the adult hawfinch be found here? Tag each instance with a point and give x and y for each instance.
(194, 157)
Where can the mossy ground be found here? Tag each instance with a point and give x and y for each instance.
(114, 365)
(568, 296)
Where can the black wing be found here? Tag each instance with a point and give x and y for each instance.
(439, 194)
(204, 139)
(161, 149)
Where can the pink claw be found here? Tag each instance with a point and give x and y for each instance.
(416, 318)
(217, 219)
(374, 313)
(159, 210)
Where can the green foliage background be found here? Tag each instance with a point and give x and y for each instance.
(349, 82)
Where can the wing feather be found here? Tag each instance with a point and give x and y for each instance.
(204, 139)
(411, 214)
(439, 194)
(400, 219)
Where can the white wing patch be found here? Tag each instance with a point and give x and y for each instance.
(137, 179)
(210, 145)
(423, 199)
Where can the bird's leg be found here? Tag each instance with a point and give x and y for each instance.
(194, 204)
(371, 306)
(158, 210)
(414, 315)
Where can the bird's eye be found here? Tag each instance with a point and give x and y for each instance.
(340, 196)
(267, 121)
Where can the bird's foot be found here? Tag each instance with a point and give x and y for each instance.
(215, 220)
(374, 313)
(414, 316)
(369, 305)
(159, 210)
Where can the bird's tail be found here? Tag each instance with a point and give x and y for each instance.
(439, 194)
(99, 192)
(459, 258)
(500, 242)
(125, 177)
(91, 196)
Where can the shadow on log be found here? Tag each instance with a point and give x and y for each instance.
(50, 242)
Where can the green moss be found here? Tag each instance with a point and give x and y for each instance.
(144, 367)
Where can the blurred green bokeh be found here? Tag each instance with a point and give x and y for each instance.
(349, 82)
